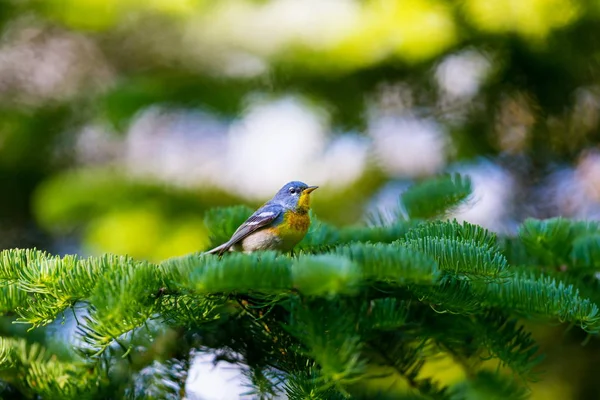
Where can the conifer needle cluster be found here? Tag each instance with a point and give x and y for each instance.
(355, 312)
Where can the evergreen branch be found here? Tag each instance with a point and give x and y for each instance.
(176, 272)
(586, 251)
(41, 273)
(452, 295)
(406, 359)
(391, 263)
(491, 335)
(262, 385)
(560, 242)
(37, 372)
(464, 258)
(509, 342)
(53, 283)
(325, 275)
(329, 336)
(515, 251)
(264, 272)
(386, 314)
(547, 240)
(454, 230)
(14, 261)
(318, 320)
(307, 384)
(435, 197)
(584, 280)
(160, 380)
(11, 298)
(42, 309)
(123, 302)
(70, 280)
(192, 311)
(542, 296)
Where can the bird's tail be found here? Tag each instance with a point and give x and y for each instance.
(219, 249)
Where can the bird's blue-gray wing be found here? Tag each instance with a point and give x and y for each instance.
(261, 218)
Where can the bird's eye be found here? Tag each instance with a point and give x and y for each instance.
(292, 190)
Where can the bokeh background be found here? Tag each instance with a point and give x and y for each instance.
(122, 121)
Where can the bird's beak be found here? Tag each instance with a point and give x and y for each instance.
(310, 189)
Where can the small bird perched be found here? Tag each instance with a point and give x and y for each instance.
(279, 224)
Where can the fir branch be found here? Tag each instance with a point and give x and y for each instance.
(406, 359)
(307, 384)
(464, 258)
(387, 314)
(325, 275)
(481, 337)
(454, 230)
(544, 297)
(436, 197)
(451, 295)
(53, 283)
(515, 251)
(264, 272)
(192, 311)
(548, 240)
(585, 252)
(14, 261)
(318, 321)
(35, 371)
(160, 380)
(391, 263)
(508, 341)
(329, 336)
(123, 302)
(261, 385)
(559, 242)
(11, 298)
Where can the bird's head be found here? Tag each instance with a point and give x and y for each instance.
(295, 195)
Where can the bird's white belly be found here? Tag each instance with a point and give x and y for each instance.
(263, 239)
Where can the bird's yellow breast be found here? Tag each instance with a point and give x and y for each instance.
(293, 228)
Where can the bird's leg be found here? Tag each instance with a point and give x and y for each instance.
(294, 254)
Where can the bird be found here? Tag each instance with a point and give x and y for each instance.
(279, 224)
